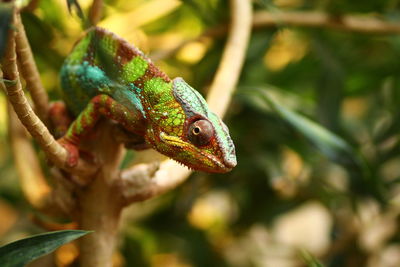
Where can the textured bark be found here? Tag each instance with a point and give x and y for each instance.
(55, 152)
(100, 203)
(29, 71)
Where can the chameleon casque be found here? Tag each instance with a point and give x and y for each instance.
(106, 76)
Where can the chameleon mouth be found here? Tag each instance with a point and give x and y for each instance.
(219, 166)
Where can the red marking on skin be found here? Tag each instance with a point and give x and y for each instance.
(108, 103)
(156, 72)
(74, 128)
(72, 149)
(60, 118)
(125, 52)
(100, 32)
(84, 122)
(72, 138)
(56, 108)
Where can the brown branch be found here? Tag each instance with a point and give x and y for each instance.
(96, 11)
(136, 184)
(99, 204)
(36, 190)
(262, 19)
(54, 151)
(30, 72)
(144, 181)
(352, 23)
(233, 57)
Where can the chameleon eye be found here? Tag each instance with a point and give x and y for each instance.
(200, 132)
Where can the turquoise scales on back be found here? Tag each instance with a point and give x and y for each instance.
(106, 76)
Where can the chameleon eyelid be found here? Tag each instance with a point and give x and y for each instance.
(204, 134)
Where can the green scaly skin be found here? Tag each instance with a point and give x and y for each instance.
(106, 76)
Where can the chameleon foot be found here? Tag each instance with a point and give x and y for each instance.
(60, 119)
(73, 151)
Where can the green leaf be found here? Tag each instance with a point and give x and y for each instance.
(21, 252)
(6, 11)
(328, 143)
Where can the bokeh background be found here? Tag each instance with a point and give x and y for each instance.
(315, 121)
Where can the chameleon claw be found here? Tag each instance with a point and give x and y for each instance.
(73, 152)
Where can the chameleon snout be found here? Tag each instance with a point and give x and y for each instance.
(230, 163)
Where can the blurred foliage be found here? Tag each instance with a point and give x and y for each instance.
(314, 121)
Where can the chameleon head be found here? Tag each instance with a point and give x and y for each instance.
(199, 139)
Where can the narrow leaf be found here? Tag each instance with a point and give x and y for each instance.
(21, 252)
(6, 11)
(73, 4)
(328, 143)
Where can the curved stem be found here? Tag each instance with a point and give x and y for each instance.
(33, 182)
(228, 72)
(30, 71)
(96, 11)
(262, 19)
(54, 151)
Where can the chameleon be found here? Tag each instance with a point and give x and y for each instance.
(105, 76)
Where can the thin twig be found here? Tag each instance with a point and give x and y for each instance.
(96, 11)
(30, 72)
(141, 182)
(352, 23)
(55, 152)
(262, 19)
(136, 186)
(228, 72)
(33, 183)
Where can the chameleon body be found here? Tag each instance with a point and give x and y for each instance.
(105, 76)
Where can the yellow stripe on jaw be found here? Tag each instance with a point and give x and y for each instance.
(173, 140)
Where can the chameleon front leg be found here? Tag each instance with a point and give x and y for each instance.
(100, 105)
(60, 119)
